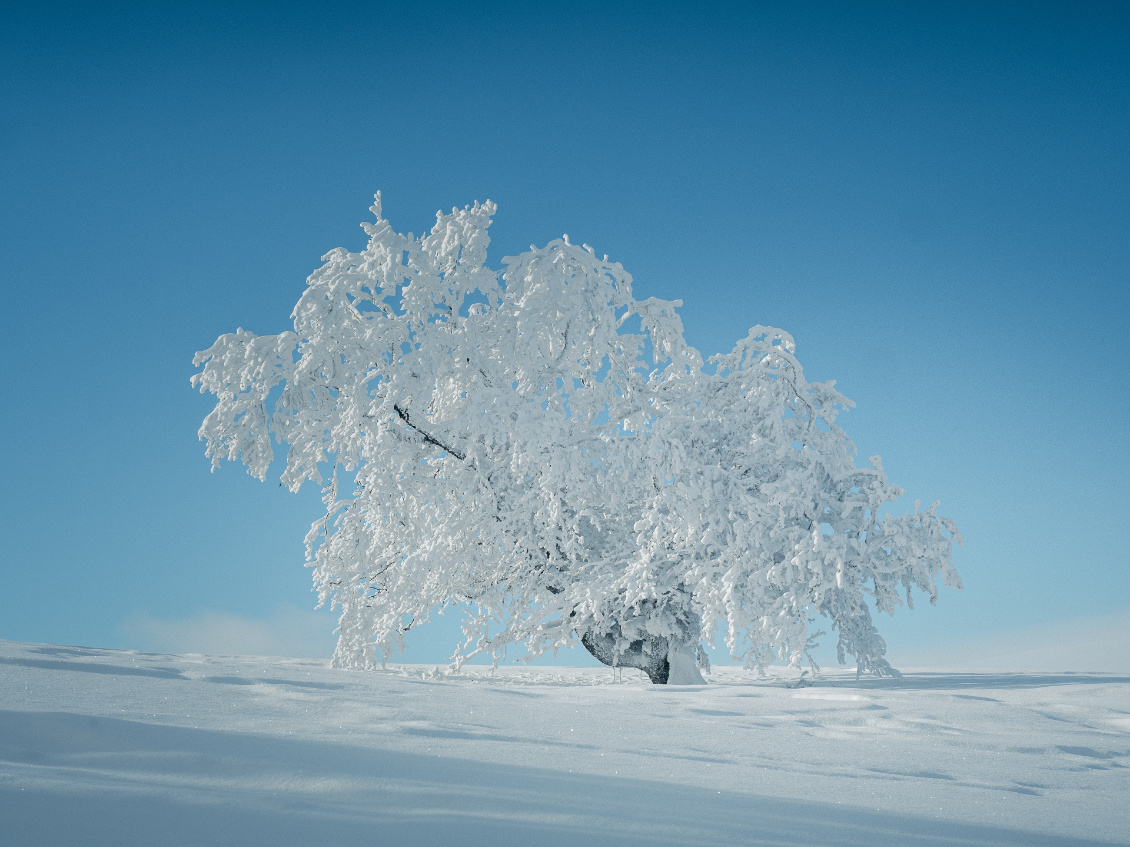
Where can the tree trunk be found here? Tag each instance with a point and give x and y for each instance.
(650, 655)
(663, 662)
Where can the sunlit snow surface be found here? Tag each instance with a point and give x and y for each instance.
(122, 748)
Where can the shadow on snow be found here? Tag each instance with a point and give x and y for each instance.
(108, 781)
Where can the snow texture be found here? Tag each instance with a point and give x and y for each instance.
(540, 445)
(103, 747)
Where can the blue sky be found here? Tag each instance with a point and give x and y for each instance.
(935, 203)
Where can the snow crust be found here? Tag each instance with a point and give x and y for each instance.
(113, 747)
(684, 671)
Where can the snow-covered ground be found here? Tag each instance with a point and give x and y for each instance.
(123, 748)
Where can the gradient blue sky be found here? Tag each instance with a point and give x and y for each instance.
(936, 203)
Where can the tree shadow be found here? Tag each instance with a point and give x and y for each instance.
(244, 680)
(927, 680)
(93, 667)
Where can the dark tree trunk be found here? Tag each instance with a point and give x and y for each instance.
(650, 655)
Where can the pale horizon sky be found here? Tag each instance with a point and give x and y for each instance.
(934, 202)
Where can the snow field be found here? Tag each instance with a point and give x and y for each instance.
(114, 747)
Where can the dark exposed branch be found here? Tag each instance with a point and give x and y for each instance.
(429, 439)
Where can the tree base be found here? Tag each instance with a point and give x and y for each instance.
(653, 656)
(649, 656)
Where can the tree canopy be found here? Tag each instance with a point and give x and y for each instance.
(537, 444)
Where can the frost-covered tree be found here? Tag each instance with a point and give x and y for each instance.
(539, 445)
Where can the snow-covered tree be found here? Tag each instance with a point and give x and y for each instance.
(539, 445)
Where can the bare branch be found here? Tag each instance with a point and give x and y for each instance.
(429, 439)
